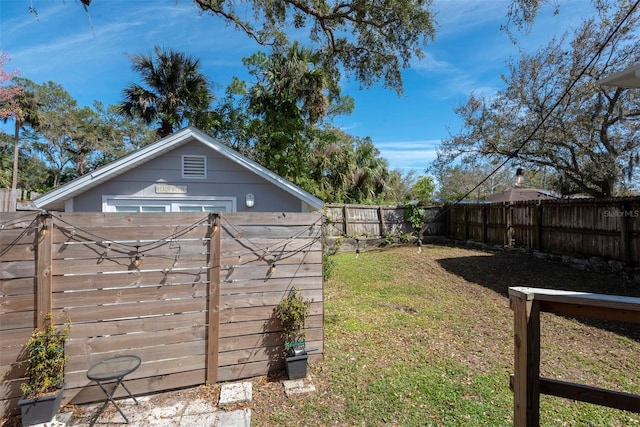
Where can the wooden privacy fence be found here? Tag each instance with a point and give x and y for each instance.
(191, 294)
(608, 228)
(527, 304)
(373, 225)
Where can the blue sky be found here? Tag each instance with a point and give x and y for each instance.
(89, 57)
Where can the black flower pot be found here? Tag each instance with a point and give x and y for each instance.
(296, 366)
(40, 409)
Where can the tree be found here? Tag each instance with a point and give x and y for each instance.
(120, 135)
(372, 40)
(14, 104)
(552, 115)
(423, 189)
(65, 138)
(176, 92)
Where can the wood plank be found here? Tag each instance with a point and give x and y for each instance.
(132, 294)
(14, 338)
(258, 254)
(129, 278)
(260, 326)
(141, 324)
(213, 308)
(134, 340)
(80, 363)
(239, 219)
(257, 354)
(20, 248)
(597, 396)
(264, 339)
(158, 368)
(81, 249)
(259, 313)
(139, 387)
(10, 304)
(90, 266)
(264, 273)
(17, 320)
(526, 386)
(17, 269)
(44, 271)
(128, 310)
(275, 285)
(281, 232)
(614, 302)
(128, 220)
(260, 299)
(21, 286)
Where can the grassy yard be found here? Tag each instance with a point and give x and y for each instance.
(420, 339)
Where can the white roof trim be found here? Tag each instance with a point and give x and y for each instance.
(132, 160)
(629, 78)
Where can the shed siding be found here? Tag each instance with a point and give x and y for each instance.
(224, 179)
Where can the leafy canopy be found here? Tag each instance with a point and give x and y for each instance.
(371, 40)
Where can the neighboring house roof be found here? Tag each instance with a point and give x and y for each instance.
(158, 148)
(626, 78)
(520, 195)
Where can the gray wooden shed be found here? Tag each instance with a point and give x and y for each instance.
(188, 171)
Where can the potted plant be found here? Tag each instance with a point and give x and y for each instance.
(293, 311)
(45, 358)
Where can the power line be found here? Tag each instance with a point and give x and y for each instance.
(548, 113)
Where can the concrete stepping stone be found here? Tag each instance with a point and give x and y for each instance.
(235, 393)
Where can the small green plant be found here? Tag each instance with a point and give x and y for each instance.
(329, 264)
(45, 359)
(293, 311)
(414, 215)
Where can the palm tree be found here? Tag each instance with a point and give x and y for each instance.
(177, 92)
(23, 108)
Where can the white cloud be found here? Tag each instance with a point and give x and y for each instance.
(409, 155)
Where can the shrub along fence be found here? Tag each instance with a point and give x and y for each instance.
(191, 294)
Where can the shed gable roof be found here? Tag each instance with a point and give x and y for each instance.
(157, 149)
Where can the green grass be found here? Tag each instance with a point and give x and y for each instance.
(425, 339)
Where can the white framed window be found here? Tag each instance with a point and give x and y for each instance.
(181, 204)
(194, 167)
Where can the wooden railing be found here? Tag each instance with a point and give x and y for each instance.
(526, 383)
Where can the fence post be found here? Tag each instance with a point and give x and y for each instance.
(625, 235)
(44, 241)
(213, 310)
(485, 234)
(383, 227)
(539, 219)
(466, 223)
(526, 381)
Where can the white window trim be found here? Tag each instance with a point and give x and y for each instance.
(107, 205)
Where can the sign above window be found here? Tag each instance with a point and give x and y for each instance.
(171, 189)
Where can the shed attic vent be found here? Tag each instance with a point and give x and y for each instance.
(194, 167)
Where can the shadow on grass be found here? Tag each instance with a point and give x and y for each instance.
(503, 270)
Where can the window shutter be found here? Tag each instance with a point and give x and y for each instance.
(194, 167)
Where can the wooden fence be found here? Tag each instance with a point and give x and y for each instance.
(526, 383)
(191, 294)
(362, 226)
(608, 229)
